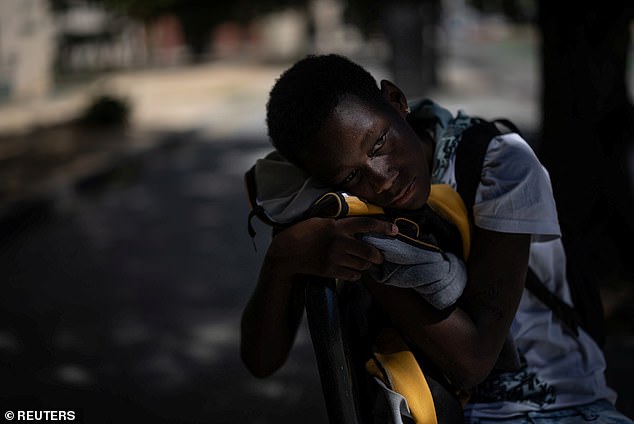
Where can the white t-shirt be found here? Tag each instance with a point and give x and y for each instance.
(515, 196)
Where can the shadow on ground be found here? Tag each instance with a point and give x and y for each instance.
(121, 297)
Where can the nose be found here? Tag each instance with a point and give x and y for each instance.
(380, 174)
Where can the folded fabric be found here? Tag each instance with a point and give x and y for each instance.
(439, 277)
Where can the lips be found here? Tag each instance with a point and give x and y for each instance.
(404, 196)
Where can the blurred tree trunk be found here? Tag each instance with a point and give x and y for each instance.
(588, 123)
(411, 28)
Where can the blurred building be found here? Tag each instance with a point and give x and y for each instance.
(27, 49)
(89, 38)
(289, 33)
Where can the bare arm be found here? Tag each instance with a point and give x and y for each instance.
(271, 317)
(465, 341)
(320, 247)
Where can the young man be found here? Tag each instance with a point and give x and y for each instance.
(328, 117)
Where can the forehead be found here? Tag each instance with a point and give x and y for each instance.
(352, 111)
(345, 136)
(349, 123)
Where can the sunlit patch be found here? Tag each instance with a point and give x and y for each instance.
(270, 389)
(209, 343)
(74, 374)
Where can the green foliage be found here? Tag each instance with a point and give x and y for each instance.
(198, 17)
(365, 14)
(143, 10)
(515, 10)
(209, 11)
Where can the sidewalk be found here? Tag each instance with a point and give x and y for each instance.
(43, 153)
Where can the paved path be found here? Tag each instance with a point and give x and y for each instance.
(124, 300)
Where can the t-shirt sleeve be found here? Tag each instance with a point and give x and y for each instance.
(515, 194)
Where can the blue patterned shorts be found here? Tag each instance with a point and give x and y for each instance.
(599, 412)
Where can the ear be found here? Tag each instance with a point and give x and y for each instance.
(395, 97)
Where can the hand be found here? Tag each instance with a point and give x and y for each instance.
(439, 277)
(329, 248)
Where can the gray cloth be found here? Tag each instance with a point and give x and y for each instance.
(390, 407)
(439, 277)
(284, 191)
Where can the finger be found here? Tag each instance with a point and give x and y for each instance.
(369, 225)
(355, 263)
(358, 249)
(344, 273)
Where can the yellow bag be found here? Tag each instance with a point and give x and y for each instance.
(393, 363)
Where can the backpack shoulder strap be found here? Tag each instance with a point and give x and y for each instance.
(470, 154)
(584, 286)
(566, 314)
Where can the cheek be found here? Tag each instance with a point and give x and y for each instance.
(418, 166)
(422, 193)
(365, 192)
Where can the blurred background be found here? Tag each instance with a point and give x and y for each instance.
(125, 130)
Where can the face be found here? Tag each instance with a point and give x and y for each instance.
(372, 152)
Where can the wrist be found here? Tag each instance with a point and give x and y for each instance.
(279, 254)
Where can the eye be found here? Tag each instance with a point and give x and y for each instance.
(378, 145)
(350, 177)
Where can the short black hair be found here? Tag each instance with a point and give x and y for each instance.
(306, 94)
